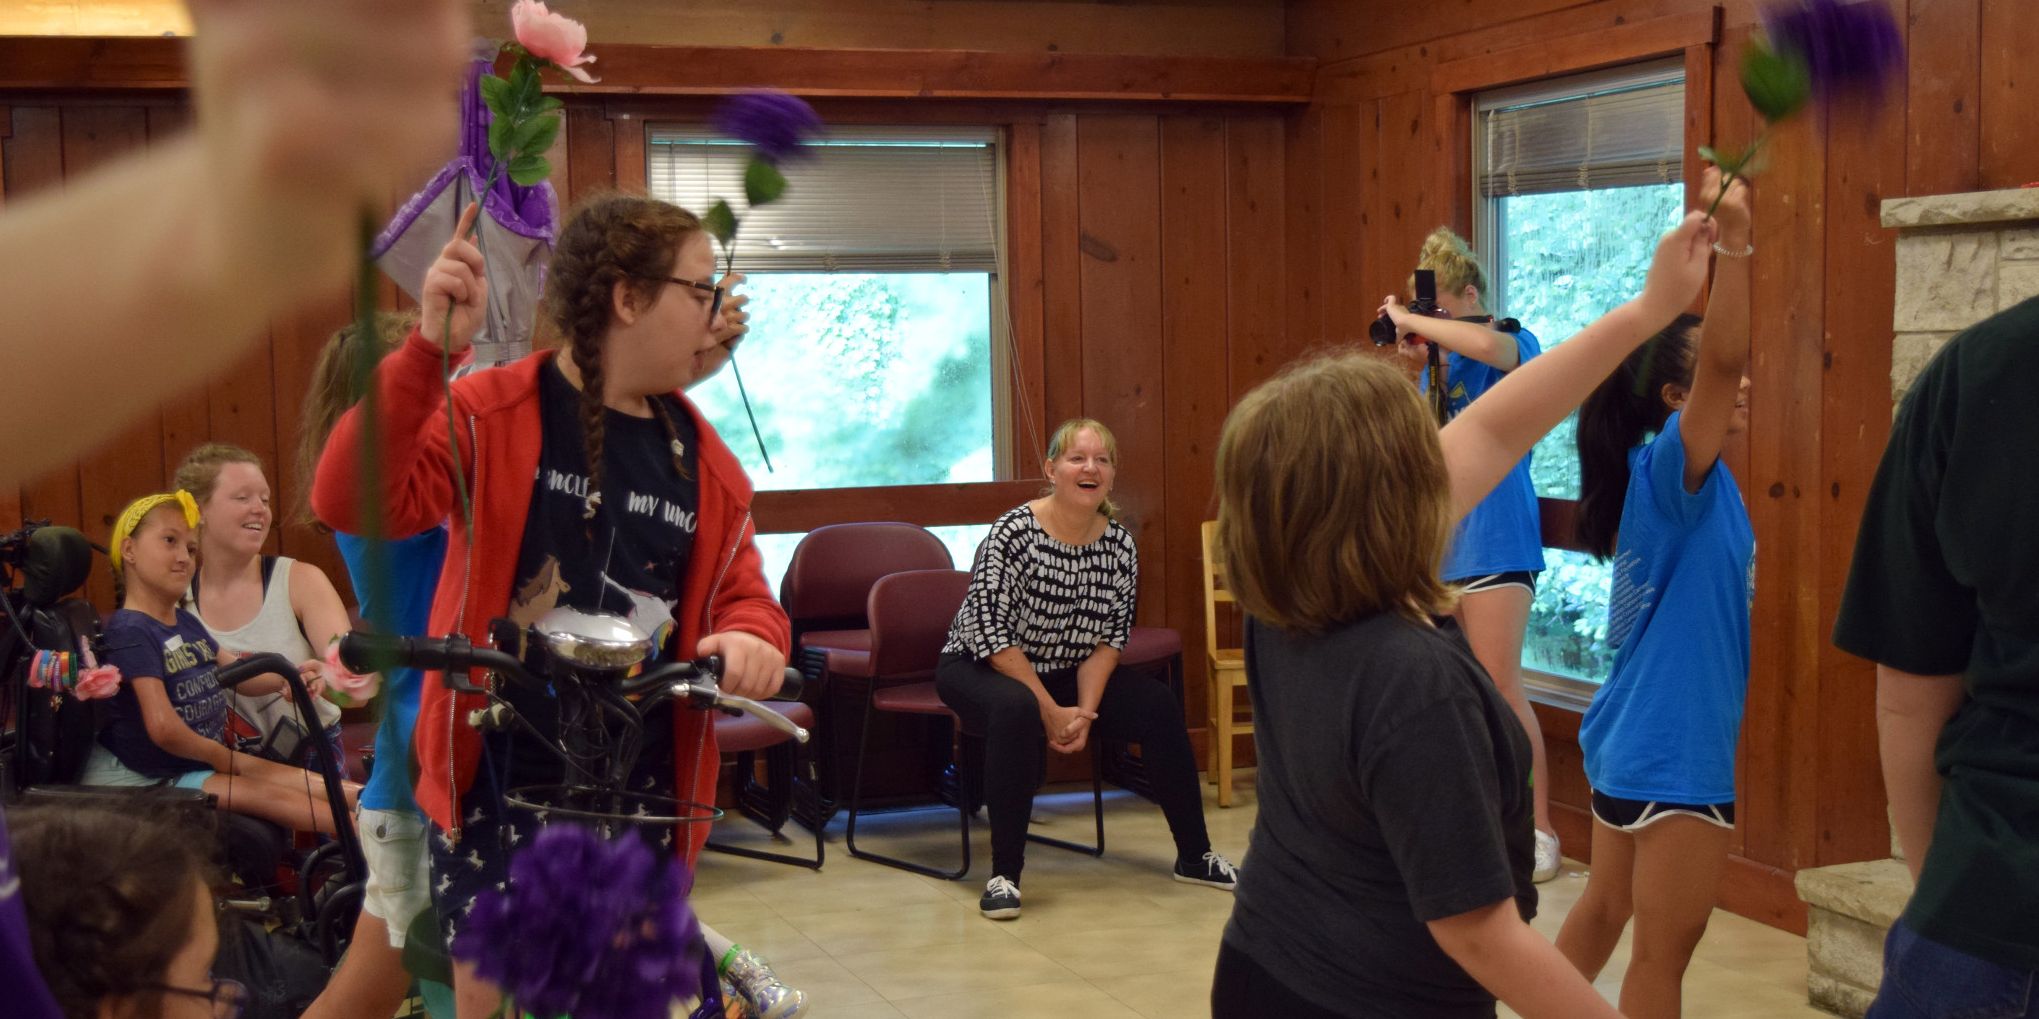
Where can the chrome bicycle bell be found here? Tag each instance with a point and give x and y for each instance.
(592, 640)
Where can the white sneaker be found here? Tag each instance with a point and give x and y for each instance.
(1549, 862)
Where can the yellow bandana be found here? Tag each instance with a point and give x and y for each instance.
(131, 518)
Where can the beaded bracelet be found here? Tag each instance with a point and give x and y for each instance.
(52, 670)
(1725, 253)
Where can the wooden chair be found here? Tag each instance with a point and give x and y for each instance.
(1228, 673)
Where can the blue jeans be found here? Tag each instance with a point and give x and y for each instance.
(1924, 979)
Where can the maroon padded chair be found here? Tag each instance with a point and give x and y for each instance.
(825, 593)
(770, 804)
(910, 615)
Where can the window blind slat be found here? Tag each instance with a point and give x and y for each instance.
(1600, 132)
(863, 200)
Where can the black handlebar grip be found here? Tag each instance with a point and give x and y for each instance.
(245, 669)
(372, 652)
(791, 689)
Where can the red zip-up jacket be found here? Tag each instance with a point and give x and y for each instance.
(498, 432)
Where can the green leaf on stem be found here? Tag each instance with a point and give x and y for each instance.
(527, 170)
(500, 131)
(762, 182)
(523, 79)
(535, 135)
(1778, 82)
(720, 222)
(495, 92)
(1708, 153)
(548, 104)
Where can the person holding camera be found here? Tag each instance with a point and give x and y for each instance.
(1497, 551)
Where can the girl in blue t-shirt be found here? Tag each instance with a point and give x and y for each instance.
(1497, 551)
(164, 726)
(1660, 737)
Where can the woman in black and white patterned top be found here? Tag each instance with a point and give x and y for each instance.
(1034, 653)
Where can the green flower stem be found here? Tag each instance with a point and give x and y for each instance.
(1730, 174)
(446, 368)
(729, 266)
(367, 355)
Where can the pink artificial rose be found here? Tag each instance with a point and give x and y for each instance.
(344, 686)
(553, 37)
(97, 683)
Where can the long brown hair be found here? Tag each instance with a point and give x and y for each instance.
(1333, 500)
(1621, 412)
(612, 239)
(329, 395)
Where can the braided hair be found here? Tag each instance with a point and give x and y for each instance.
(614, 238)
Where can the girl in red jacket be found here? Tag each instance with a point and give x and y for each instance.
(595, 484)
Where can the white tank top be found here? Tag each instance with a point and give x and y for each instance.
(274, 628)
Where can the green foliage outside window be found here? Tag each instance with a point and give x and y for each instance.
(861, 379)
(1564, 260)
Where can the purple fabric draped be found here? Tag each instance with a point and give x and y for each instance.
(515, 232)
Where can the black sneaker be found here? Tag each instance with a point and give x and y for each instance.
(1001, 899)
(1212, 870)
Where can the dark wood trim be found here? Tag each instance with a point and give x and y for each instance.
(797, 511)
(1560, 522)
(1658, 37)
(967, 74)
(124, 63)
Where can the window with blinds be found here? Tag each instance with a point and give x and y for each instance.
(1574, 179)
(865, 200)
(1624, 128)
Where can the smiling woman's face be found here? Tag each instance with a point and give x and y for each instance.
(1084, 472)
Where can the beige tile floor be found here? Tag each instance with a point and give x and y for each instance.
(1109, 937)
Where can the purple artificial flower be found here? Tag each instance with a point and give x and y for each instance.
(773, 122)
(593, 927)
(1846, 46)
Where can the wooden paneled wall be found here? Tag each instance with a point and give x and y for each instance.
(1376, 161)
(1145, 284)
(256, 404)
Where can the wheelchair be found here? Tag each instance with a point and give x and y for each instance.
(303, 905)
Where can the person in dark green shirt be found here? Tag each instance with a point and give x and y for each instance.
(1944, 597)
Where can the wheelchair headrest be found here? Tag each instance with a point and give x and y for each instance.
(59, 560)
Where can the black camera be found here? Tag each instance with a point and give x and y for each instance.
(1383, 328)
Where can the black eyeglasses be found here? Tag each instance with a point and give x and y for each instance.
(714, 303)
(228, 997)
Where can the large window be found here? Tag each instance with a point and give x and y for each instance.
(874, 292)
(1576, 179)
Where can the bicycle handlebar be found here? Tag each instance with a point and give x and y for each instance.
(455, 654)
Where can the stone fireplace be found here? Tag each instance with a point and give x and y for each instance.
(1960, 259)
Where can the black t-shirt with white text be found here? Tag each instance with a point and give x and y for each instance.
(628, 560)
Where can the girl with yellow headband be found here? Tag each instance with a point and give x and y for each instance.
(164, 725)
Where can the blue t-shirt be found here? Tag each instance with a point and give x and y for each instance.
(414, 565)
(1504, 533)
(1665, 725)
(185, 658)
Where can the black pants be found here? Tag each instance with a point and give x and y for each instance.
(1134, 709)
(1242, 989)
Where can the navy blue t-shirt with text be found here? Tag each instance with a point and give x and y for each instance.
(185, 658)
